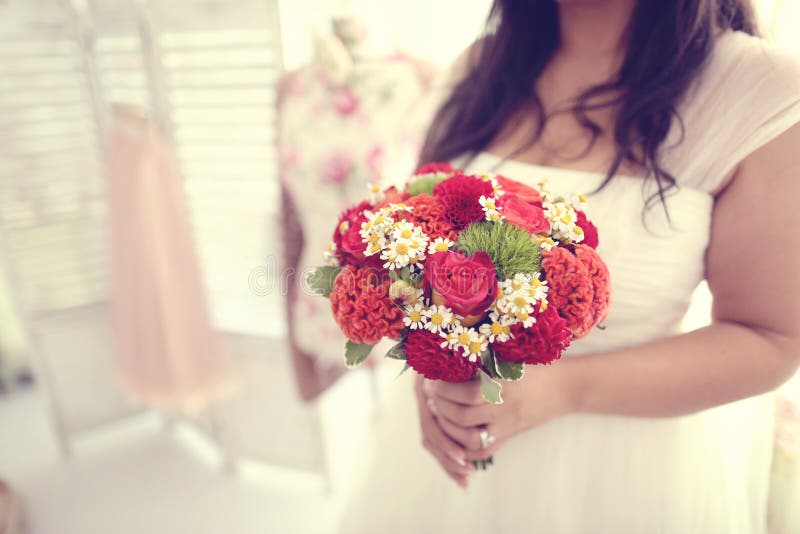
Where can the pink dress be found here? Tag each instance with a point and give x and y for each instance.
(167, 353)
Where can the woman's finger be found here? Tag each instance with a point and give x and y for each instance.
(483, 454)
(467, 437)
(462, 414)
(449, 453)
(460, 392)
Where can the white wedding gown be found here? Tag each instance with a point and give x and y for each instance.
(705, 473)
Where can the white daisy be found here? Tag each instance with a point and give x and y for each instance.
(440, 244)
(440, 318)
(415, 318)
(329, 255)
(376, 195)
(499, 329)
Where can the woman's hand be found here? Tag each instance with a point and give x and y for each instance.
(450, 455)
(459, 410)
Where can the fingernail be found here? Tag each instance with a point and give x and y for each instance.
(457, 459)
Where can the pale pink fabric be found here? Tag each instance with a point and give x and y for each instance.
(167, 354)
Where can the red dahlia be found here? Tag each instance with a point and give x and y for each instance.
(434, 167)
(541, 343)
(460, 196)
(589, 230)
(426, 356)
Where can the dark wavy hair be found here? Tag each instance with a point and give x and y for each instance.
(668, 42)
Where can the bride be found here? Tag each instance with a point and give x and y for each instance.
(684, 125)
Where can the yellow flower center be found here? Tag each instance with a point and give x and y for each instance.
(490, 204)
(344, 226)
(415, 316)
(463, 338)
(380, 219)
(497, 328)
(495, 217)
(402, 248)
(475, 347)
(442, 247)
(522, 316)
(374, 248)
(566, 219)
(373, 238)
(543, 305)
(406, 233)
(437, 319)
(520, 301)
(582, 198)
(415, 244)
(578, 230)
(413, 260)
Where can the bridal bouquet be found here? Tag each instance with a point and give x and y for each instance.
(472, 275)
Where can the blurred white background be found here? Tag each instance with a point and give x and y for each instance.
(87, 459)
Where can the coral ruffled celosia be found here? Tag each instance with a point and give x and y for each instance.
(428, 213)
(571, 289)
(361, 305)
(601, 281)
(426, 356)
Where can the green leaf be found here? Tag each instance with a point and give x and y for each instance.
(489, 362)
(424, 185)
(405, 368)
(490, 389)
(321, 279)
(356, 353)
(398, 352)
(509, 371)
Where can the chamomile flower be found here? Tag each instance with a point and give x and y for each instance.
(439, 318)
(526, 318)
(440, 244)
(415, 318)
(563, 221)
(476, 344)
(498, 329)
(490, 208)
(397, 255)
(546, 243)
(329, 255)
(515, 304)
(376, 195)
(537, 288)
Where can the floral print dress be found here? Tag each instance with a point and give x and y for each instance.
(337, 137)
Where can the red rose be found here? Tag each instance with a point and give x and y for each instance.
(460, 196)
(529, 217)
(528, 194)
(466, 285)
(436, 167)
(349, 246)
(426, 356)
(589, 230)
(541, 343)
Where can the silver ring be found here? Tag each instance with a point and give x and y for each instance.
(486, 439)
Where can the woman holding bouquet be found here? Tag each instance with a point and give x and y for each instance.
(686, 127)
